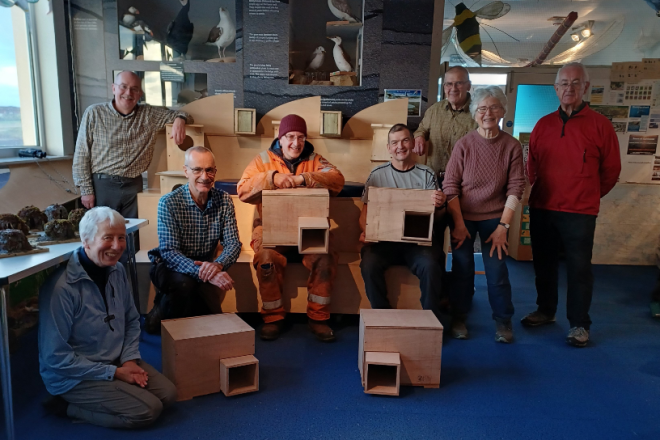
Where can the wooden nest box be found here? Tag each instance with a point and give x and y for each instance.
(400, 215)
(207, 354)
(399, 347)
(296, 217)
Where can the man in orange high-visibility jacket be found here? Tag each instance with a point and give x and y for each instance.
(290, 162)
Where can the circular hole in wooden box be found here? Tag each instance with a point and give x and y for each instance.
(187, 143)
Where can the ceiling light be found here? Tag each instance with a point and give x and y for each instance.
(586, 33)
(575, 36)
(583, 29)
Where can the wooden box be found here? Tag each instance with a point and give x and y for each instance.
(403, 215)
(193, 348)
(416, 335)
(379, 151)
(520, 242)
(245, 121)
(382, 373)
(282, 208)
(239, 375)
(169, 179)
(176, 153)
(313, 235)
(330, 124)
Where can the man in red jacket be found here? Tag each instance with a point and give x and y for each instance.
(573, 161)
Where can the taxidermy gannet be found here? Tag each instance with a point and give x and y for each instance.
(180, 30)
(342, 10)
(318, 56)
(224, 33)
(341, 59)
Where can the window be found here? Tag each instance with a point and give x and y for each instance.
(18, 120)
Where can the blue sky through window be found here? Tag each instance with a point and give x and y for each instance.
(8, 77)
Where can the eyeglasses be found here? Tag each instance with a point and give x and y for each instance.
(293, 137)
(124, 87)
(574, 85)
(197, 171)
(450, 85)
(492, 108)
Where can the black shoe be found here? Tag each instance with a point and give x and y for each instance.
(271, 330)
(56, 406)
(537, 318)
(152, 321)
(321, 330)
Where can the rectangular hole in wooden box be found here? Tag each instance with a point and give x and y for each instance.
(313, 240)
(417, 225)
(381, 379)
(242, 379)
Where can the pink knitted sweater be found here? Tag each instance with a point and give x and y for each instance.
(483, 172)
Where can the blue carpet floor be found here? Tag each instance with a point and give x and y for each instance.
(535, 388)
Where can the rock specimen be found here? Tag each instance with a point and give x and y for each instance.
(11, 221)
(56, 212)
(34, 218)
(13, 240)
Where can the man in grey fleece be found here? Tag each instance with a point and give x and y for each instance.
(89, 334)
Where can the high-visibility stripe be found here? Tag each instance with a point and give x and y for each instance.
(460, 18)
(270, 305)
(265, 158)
(318, 299)
(311, 156)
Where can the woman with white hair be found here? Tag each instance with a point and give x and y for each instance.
(484, 182)
(89, 332)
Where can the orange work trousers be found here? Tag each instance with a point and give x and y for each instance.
(270, 264)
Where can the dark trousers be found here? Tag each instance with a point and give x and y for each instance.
(655, 295)
(425, 262)
(120, 194)
(179, 295)
(497, 274)
(576, 232)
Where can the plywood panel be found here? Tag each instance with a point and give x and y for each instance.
(176, 153)
(148, 209)
(307, 108)
(379, 142)
(389, 210)
(390, 112)
(35, 184)
(215, 113)
(283, 207)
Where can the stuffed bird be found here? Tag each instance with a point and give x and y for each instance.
(224, 33)
(342, 10)
(180, 30)
(341, 58)
(317, 58)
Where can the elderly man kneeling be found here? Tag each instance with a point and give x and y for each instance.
(89, 334)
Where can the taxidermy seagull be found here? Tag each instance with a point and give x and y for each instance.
(180, 30)
(224, 33)
(341, 59)
(317, 58)
(342, 10)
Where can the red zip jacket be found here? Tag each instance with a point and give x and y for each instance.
(571, 166)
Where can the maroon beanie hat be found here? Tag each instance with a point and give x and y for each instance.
(291, 123)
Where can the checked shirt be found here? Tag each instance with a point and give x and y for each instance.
(186, 233)
(117, 145)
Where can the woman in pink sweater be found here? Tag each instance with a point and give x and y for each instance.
(484, 182)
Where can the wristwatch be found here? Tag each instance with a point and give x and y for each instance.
(506, 226)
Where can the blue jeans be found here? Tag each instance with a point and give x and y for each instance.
(425, 262)
(497, 274)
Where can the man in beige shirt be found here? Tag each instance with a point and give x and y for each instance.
(446, 121)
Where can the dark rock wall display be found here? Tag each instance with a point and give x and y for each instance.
(395, 38)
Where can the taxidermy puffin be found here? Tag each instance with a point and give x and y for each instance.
(180, 30)
(224, 33)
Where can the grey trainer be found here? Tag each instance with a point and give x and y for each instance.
(458, 328)
(503, 332)
(578, 336)
(537, 318)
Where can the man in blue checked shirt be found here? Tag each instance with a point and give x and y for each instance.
(193, 221)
